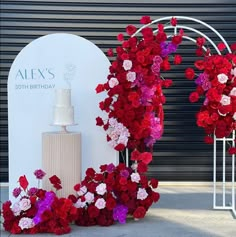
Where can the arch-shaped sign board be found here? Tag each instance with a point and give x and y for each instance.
(50, 62)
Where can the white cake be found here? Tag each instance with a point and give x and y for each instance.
(63, 112)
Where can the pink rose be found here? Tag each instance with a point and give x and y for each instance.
(89, 197)
(127, 65)
(24, 204)
(135, 177)
(26, 223)
(80, 204)
(16, 209)
(142, 194)
(222, 78)
(233, 92)
(225, 100)
(131, 76)
(82, 191)
(100, 203)
(113, 82)
(101, 188)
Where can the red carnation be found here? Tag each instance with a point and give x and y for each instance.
(99, 88)
(145, 157)
(77, 187)
(232, 150)
(154, 183)
(177, 39)
(208, 140)
(145, 20)
(110, 203)
(155, 196)
(221, 46)
(189, 73)
(193, 97)
(99, 121)
(54, 180)
(23, 182)
(177, 59)
(119, 147)
(90, 172)
(120, 37)
(139, 212)
(130, 29)
(167, 83)
(233, 47)
(200, 41)
(93, 211)
(110, 53)
(173, 21)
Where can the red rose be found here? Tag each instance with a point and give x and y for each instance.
(99, 88)
(193, 97)
(147, 34)
(173, 21)
(155, 196)
(200, 41)
(177, 39)
(166, 83)
(165, 65)
(154, 183)
(189, 73)
(110, 53)
(23, 182)
(208, 140)
(142, 168)
(140, 212)
(232, 150)
(221, 46)
(110, 203)
(233, 47)
(145, 157)
(130, 29)
(93, 211)
(122, 181)
(119, 147)
(120, 37)
(90, 172)
(199, 64)
(199, 52)
(99, 121)
(77, 187)
(54, 180)
(177, 59)
(57, 186)
(145, 20)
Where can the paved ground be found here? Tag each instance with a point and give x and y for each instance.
(183, 211)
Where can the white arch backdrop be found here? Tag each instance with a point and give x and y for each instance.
(40, 68)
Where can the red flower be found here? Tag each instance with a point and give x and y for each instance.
(130, 29)
(177, 39)
(173, 21)
(145, 157)
(177, 59)
(189, 73)
(99, 88)
(221, 46)
(54, 180)
(23, 182)
(120, 37)
(99, 121)
(200, 41)
(208, 140)
(232, 150)
(139, 213)
(93, 211)
(145, 20)
(90, 172)
(193, 97)
(154, 183)
(110, 53)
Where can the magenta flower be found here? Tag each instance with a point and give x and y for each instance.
(32, 191)
(16, 192)
(39, 173)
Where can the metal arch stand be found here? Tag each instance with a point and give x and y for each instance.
(223, 205)
(230, 206)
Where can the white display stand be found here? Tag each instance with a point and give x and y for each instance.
(62, 157)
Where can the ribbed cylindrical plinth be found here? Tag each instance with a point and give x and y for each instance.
(62, 157)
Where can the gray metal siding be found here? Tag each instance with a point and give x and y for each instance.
(181, 154)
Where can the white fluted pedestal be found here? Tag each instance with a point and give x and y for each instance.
(62, 157)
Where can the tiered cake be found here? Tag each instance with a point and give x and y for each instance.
(63, 112)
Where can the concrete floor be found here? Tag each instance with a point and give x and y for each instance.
(183, 211)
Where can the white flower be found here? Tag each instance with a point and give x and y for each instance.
(89, 197)
(123, 140)
(135, 177)
(16, 209)
(234, 116)
(131, 76)
(233, 92)
(80, 204)
(101, 188)
(222, 78)
(82, 191)
(113, 82)
(225, 100)
(127, 65)
(233, 71)
(100, 203)
(24, 204)
(134, 166)
(142, 194)
(26, 223)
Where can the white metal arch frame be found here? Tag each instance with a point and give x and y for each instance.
(223, 206)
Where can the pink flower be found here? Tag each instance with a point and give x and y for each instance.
(82, 191)
(234, 116)
(89, 197)
(16, 209)
(16, 192)
(26, 223)
(80, 204)
(100, 203)
(222, 78)
(135, 177)
(101, 188)
(113, 82)
(225, 100)
(142, 194)
(24, 204)
(233, 72)
(127, 65)
(233, 92)
(39, 174)
(131, 76)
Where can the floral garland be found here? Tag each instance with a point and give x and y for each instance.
(37, 210)
(135, 99)
(216, 83)
(112, 194)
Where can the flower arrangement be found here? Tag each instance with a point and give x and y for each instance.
(112, 194)
(216, 83)
(37, 210)
(135, 99)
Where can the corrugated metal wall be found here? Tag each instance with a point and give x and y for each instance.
(181, 154)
